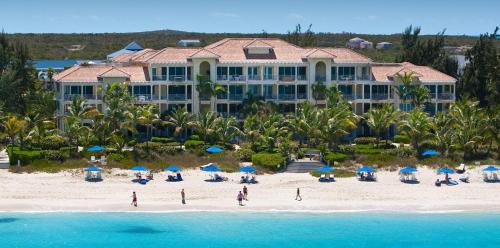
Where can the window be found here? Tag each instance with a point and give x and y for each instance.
(287, 73)
(189, 69)
(235, 71)
(346, 90)
(153, 72)
(176, 73)
(223, 95)
(268, 91)
(164, 72)
(253, 73)
(268, 73)
(142, 90)
(221, 108)
(346, 73)
(221, 73)
(301, 73)
(302, 91)
(253, 90)
(367, 91)
(334, 73)
(88, 90)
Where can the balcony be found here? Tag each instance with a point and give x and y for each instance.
(143, 98)
(177, 78)
(270, 77)
(70, 97)
(286, 78)
(348, 97)
(320, 78)
(301, 77)
(301, 95)
(270, 97)
(222, 96)
(287, 97)
(364, 77)
(204, 98)
(381, 96)
(253, 77)
(236, 97)
(159, 77)
(231, 78)
(346, 77)
(446, 96)
(177, 97)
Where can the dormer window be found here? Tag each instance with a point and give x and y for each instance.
(259, 50)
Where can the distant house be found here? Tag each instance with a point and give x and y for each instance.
(384, 45)
(188, 43)
(354, 43)
(42, 66)
(366, 45)
(132, 47)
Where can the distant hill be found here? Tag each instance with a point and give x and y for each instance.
(97, 46)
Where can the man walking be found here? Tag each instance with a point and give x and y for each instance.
(245, 193)
(134, 199)
(298, 197)
(240, 198)
(183, 196)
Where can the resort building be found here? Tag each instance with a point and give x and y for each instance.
(270, 68)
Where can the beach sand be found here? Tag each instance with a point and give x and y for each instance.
(67, 191)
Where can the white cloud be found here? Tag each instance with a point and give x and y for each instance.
(295, 16)
(225, 14)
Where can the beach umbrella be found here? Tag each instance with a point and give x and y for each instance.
(211, 168)
(173, 168)
(408, 169)
(93, 168)
(430, 153)
(445, 170)
(491, 168)
(365, 169)
(326, 169)
(248, 169)
(214, 149)
(96, 149)
(139, 168)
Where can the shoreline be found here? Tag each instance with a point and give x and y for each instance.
(68, 192)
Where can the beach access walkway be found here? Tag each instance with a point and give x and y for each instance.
(304, 165)
(4, 160)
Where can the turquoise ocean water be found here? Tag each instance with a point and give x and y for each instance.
(204, 229)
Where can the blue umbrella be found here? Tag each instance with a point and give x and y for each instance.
(445, 170)
(430, 153)
(173, 168)
(248, 169)
(95, 149)
(491, 168)
(211, 168)
(214, 149)
(139, 168)
(408, 169)
(326, 169)
(92, 168)
(365, 169)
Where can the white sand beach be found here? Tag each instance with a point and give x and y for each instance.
(67, 191)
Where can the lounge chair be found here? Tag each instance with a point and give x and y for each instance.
(93, 159)
(332, 178)
(103, 160)
(323, 178)
(179, 177)
(495, 178)
(253, 180)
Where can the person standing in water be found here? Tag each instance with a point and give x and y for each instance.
(240, 198)
(183, 195)
(134, 199)
(245, 193)
(298, 197)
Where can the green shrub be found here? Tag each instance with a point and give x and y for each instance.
(194, 137)
(156, 147)
(335, 157)
(367, 149)
(400, 152)
(300, 153)
(25, 156)
(162, 140)
(401, 139)
(117, 157)
(193, 144)
(245, 154)
(365, 140)
(271, 161)
(54, 142)
(132, 143)
(346, 149)
(54, 155)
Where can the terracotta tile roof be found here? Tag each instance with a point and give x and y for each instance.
(139, 56)
(319, 53)
(171, 55)
(91, 73)
(346, 55)
(204, 53)
(385, 72)
(258, 43)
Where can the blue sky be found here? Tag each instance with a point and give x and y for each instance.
(359, 16)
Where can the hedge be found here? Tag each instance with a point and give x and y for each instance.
(365, 140)
(25, 156)
(402, 139)
(335, 157)
(162, 140)
(271, 161)
(245, 154)
(194, 144)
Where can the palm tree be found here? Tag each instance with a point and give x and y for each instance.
(13, 127)
(419, 96)
(119, 108)
(443, 132)
(318, 91)
(148, 117)
(207, 88)
(381, 119)
(206, 125)
(181, 120)
(335, 122)
(251, 127)
(251, 104)
(416, 125)
(405, 89)
(334, 97)
(227, 129)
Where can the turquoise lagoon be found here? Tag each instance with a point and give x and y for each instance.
(219, 229)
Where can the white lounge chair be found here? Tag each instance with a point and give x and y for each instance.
(103, 160)
(332, 177)
(93, 159)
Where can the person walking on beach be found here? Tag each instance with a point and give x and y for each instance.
(183, 196)
(245, 193)
(298, 197)
(134, 199)
(240, 198)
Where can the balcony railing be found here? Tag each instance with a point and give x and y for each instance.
(270, 77)
(301, 77)
(446, 96)
(70, 97)
(301, 95)
(142, 98)
(177, 78)
(287, 96)
(380, 96)
(346, 77)
(204, 98)
(320, 78)
(237, 97)
(348, 97)
(270, 97)
(364, 77)
(287, 78)
(159, 77)
(177, 97)
(253, 77)
(222, 96)
(237, 78)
